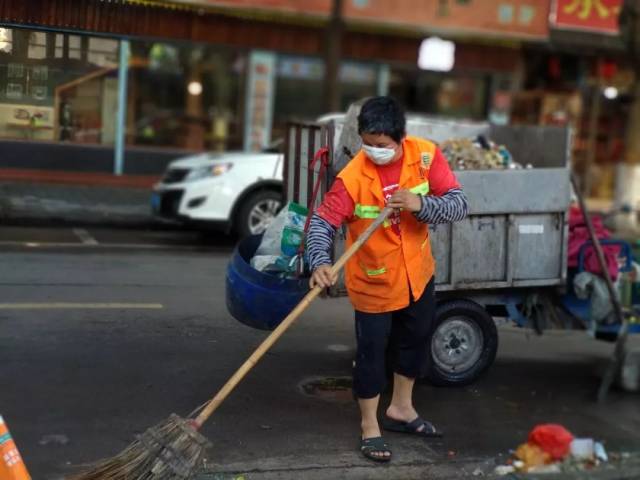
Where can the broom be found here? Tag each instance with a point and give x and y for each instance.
(173, 449)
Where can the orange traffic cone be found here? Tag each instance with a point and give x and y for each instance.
(11, 465)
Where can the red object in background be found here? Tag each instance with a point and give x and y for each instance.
(554, 68)
(607, 69)
(553, 439)
(595, 15)
(579, 235)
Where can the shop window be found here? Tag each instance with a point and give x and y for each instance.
(527, 14)
(15, 70)
(505, 13)
(103, 52)
(55, 87)
(39, 92)
(357, 81)
(59, 45)
(5, 40)
(75, 47)
(443, 95)
(37, 45)
(14, 91)
(300, 88)
(40, 73)
(185, 96)
(298, 93)
(462, 97)
(71, 46)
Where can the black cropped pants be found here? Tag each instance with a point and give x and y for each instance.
(404, 333)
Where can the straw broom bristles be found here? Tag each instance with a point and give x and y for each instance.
(170, 450)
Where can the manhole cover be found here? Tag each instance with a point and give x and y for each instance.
(337, 389)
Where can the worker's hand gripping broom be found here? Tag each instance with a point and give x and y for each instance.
(173, 449)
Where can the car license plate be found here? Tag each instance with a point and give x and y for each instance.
(155, 202)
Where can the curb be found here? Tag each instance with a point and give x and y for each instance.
(83, 179)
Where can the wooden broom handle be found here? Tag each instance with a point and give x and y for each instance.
(268, 342)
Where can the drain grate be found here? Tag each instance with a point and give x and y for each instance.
(337, 389)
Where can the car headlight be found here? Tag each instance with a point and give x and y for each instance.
(209, 171)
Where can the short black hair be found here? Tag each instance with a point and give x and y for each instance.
(382, 116)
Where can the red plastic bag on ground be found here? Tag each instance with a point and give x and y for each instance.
(553, 439)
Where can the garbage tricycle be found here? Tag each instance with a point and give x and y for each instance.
(507, 259)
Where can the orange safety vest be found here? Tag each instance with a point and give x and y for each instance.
(388, 269)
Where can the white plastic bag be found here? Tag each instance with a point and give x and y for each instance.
(282, 238)
(263, 262)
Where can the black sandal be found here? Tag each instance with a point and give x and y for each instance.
(375, 445)
(413, 427)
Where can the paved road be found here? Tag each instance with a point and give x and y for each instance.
(102, 239)
(46, 203)
(98, 343)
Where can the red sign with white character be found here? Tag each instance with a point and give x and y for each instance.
(595, 15)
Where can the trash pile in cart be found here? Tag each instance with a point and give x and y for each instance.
(479, 153)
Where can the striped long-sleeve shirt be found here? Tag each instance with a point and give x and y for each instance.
(447, 208)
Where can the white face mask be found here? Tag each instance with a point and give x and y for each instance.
(379, 156)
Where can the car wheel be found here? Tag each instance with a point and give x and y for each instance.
(257, 211)
(463, 343)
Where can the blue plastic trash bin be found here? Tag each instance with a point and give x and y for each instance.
(258, 299)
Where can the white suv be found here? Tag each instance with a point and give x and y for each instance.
(240, 192)
(233, 191)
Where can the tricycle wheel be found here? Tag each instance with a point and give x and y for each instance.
(463, 343)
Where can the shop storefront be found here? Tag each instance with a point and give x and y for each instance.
(63, 88)
(227, 78)
(582, 79)
(56, 86)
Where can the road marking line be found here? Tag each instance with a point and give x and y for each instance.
(68, 305)
(84, 236)
(106, 246)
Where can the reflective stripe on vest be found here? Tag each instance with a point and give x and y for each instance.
(375, 273)
(369, 212)
(421, 189)
(372, 211)
(366, 211)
